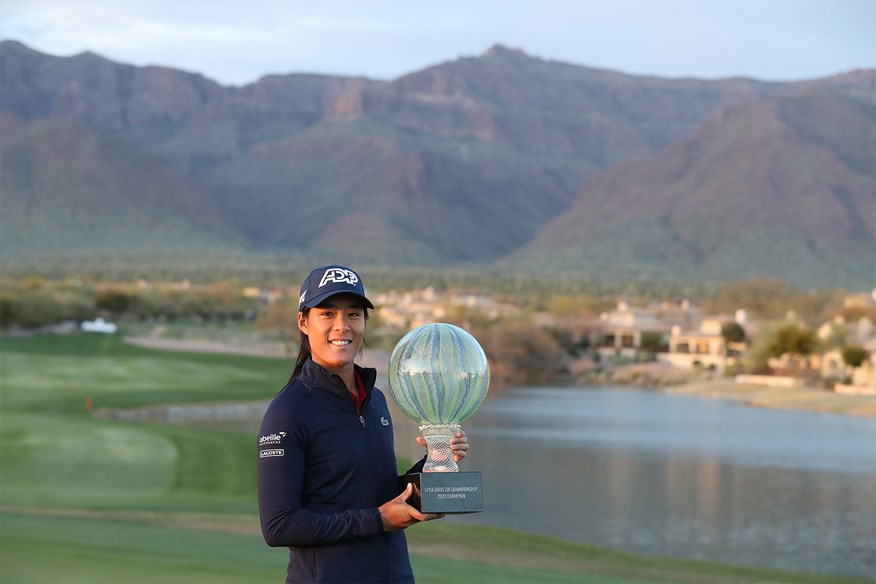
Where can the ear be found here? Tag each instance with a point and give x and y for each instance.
(302, 323)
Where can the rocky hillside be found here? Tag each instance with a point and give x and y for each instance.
(783, 186)
(498, 158)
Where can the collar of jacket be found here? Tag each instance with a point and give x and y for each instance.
(316, 377)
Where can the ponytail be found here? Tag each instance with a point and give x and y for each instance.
(303, 352)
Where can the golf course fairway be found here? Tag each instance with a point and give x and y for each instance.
(87, 498)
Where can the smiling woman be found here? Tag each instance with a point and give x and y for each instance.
(328, 483)
(331, 316)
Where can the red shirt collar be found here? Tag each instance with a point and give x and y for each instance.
(360, 392)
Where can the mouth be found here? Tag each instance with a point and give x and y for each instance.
(340, 343)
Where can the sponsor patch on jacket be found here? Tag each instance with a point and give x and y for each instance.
(271, 452)
(271, 439)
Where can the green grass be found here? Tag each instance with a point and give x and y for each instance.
(86, 499)
(56, 373)
(62, 549)
(49, 548)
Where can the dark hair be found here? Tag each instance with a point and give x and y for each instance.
(303, 351)
(304, 348)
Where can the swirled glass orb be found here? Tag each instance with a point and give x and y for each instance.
(438, 374)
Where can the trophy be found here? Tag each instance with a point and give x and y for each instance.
(439, 376)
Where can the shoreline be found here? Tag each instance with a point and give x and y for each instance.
(753, 395)
(783, 398)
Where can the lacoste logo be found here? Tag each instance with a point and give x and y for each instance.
(272, 452)
(271, 438)
(384, 421)
(338, 275)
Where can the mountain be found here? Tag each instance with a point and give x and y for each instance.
(469, 162)
(66, 187)
(784, 187)
(463, 161)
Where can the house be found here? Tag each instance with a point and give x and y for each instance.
(407, 310)
(676, 311)
(268, 295)
(623, 329)
(705, 345)
(862, 379)
(859, 380)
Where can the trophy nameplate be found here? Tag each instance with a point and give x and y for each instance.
(446, 492)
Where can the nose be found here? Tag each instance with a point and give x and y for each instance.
(341, 322)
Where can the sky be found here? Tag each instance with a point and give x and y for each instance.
(235, 43)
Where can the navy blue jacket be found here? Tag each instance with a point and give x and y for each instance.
(323, 471)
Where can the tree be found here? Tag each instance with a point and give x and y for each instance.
(521, 354)
(580, 305)
(8, 311)
(652, 341)
(732, 332)
(762, 297)
(854, 355)
(838, 335)
(792, 340)
(281, 317)
(771, 298)
(113, 300)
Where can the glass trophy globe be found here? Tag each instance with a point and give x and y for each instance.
(439, 376)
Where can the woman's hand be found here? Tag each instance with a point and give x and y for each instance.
(397, 514)
(458, 444)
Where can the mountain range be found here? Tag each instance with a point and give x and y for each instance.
(502, 160)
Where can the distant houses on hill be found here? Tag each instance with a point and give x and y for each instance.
(673, 332)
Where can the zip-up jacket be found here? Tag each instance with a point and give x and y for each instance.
(323, 471)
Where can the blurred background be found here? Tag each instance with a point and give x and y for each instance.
(658, 217)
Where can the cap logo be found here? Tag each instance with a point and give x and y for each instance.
(339, 275)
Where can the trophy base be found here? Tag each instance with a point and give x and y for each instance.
(446, 492)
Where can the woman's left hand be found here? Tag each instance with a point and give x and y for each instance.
(459, 445)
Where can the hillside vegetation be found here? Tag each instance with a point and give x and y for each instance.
(502, 162)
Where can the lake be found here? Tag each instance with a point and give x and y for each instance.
(670, 475)
(680, 476)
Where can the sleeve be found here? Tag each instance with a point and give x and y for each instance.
(414, 469)
(417, 467)
(281, 468)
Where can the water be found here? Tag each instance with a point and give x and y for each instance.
(678, 476)
(672, 475)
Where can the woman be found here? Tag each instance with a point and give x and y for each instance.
(328, 487)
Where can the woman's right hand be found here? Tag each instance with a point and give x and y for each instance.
(396, 514)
